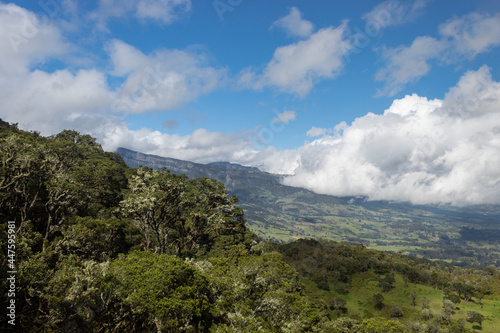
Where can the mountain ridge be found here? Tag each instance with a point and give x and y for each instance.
(237, 178)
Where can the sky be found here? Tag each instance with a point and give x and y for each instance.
(392, 100)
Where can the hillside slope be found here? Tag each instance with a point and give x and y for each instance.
(464, 236)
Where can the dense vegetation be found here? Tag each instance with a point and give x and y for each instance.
(101, 247)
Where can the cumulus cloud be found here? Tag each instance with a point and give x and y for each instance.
(284, 117)
(50, 102)
(419, 150)
(201, 146)
(162, 80)
(26, 39)
(82, 99)
(294, 25)
(36, 99)
(467, 36)
(472, 34)
(295, 68)
(160, 11)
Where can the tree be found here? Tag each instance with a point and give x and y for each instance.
(338, 304)
(475, 317)
(184, 216)
(379, 301)
(413, 297)
(452, 297)
(469, 291)
(448, 309)
(21, 176)
(342, 325)
(461, 325)
(163, 292)
(428, 314)
(72, 182)
(258, 293)
(387, 283)
(155, 203)
(396, 312)
(94, 239)
(209, 213)
(458, 287)
(425, 303)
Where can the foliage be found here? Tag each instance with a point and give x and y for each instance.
(184, 216)
(475, 317)
(163, 292)
(396, 312)
(95, 239)
(101, 247)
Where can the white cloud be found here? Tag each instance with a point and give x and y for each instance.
(201, 146)
(34, 98)
(81, 99)
(26, 39)
(294, 25)
(295, 68)
(51, 102)
(462, 37)
(419, 150)
(472, 34)
(285, 117)
(475, 95)
(160, 11)
(407, 64)
(393, 12)
(316, 131)
(165, 11)
(163, 80)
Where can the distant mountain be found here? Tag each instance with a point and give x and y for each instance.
(238, 179)
(462, 236)
(228, 165)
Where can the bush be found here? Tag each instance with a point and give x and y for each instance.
(382, 325)
(396, 312)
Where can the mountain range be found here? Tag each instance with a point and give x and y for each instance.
(466, 236)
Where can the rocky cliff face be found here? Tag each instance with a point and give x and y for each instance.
(135, 159)
(234, 176)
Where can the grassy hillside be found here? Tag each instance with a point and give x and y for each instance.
(335, 273)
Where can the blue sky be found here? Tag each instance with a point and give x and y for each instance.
(302, 88)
